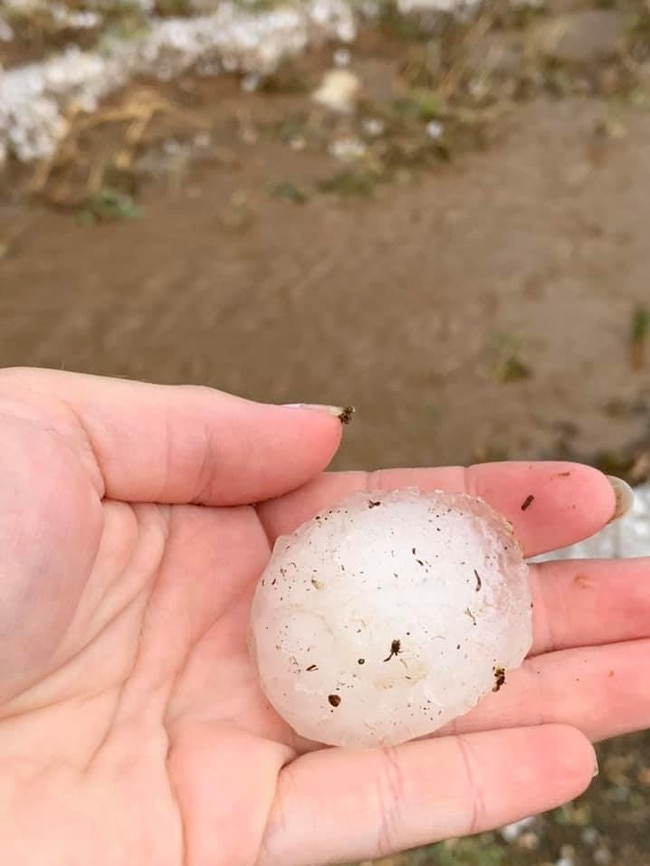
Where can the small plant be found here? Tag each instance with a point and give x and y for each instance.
(511, 369)
(395, 23)
(466, 852)
(109, 205)
(638, 31)
(291, 127)
(574, 814)
(238, 214)
(506, 363)
(288, 191)
(638, 339)
(172, 8)
(422, 104)
(349, 184)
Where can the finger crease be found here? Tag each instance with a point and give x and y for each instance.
(390, 792)
(476, 801)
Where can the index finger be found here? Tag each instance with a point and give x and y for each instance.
(550, 504)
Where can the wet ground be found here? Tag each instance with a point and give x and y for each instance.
(483, 310)
(479, 297)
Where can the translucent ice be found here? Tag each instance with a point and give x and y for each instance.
(389, 615)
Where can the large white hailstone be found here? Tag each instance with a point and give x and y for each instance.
(389, 615)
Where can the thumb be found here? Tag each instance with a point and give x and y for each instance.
(178, 444)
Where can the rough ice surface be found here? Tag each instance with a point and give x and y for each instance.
(389, 615)
(627, 537)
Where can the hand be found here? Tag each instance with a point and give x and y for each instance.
(132, 729)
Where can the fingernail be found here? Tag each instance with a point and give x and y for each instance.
(596, 767)
(343, 413)
(624, 497)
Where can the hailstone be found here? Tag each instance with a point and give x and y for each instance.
(389, 615)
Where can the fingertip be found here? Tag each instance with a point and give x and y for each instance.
(553, 763)
(624, 497)
(551, 503)
(343, 414)
(580, 488)
(307, 436)
(322, 425)
(562, 482)
(574, 757)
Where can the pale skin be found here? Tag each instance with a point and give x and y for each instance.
(132, 728)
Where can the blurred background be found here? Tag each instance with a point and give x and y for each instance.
(435, 211)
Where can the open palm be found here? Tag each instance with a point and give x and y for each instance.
(134, 523)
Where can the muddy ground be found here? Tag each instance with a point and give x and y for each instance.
(401, 305)
(481, 296)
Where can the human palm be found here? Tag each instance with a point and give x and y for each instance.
(132, 728)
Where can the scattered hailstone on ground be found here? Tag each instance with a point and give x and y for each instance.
(347, 149)
(36, 98)
(389, 615)
(511, 832)
(373, 126)
(435, 129)
(6, 33)
(342, 57)
(455, 7)
(339, 91)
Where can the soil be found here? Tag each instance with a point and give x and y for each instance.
(409, 306)
(492, 303)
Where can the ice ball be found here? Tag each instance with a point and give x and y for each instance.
(389, 615)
